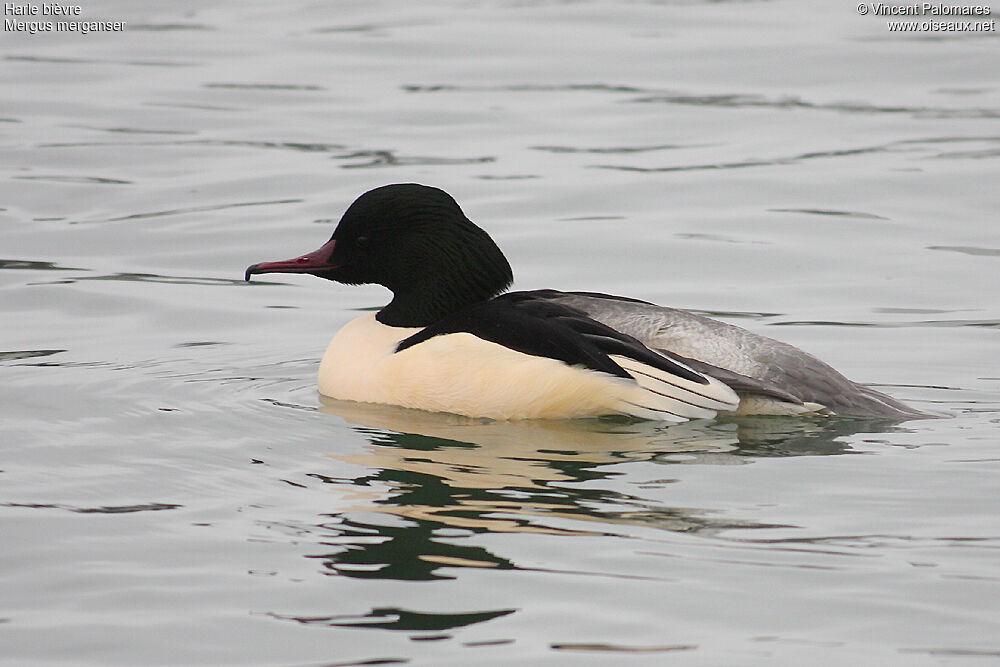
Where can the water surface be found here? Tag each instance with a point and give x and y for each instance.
(174, 491)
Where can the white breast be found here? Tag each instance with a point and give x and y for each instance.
(463, 374)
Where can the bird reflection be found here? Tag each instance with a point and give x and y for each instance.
(446, 477)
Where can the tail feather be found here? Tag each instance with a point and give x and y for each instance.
(665, 396)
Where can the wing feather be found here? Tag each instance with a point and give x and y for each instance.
(662, 387)
(679, 395)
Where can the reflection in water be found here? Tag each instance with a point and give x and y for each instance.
(437, 478)
(431, 481)
(394, 618)
(409, 552)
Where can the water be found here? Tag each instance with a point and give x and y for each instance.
(174, 491)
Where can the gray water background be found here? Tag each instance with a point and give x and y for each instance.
(173, 491)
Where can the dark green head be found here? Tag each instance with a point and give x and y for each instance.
(414, 240)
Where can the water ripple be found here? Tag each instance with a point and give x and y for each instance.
(115, 509)
(740, 164)
(792, 102)
(190, 105)
(525, 87)
(364, 27)
(720, 100)
(91, 61)
(263, 86)
(148, 278)
(901, 146)
(616, 149)
(239, 143)
(198, 209)
(621, 648)
(27, 354)
(31, 265)
(820, 211)
(967, 250)
(697, 236)
(58, 178)
(387, 158)
(954, 652)
(989, 324)
(132, 130)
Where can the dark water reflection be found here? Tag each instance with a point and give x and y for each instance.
(448, 477)
(396, 618)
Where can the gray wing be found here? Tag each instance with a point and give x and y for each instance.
(753, 365)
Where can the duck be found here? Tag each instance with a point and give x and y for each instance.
(453, 339)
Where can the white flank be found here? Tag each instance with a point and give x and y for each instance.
(466, 375)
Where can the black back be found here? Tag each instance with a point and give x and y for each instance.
(531, 324)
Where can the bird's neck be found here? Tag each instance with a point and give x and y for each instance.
(465, 267)
(424, 304)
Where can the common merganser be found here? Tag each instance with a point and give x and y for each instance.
(452, 341)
